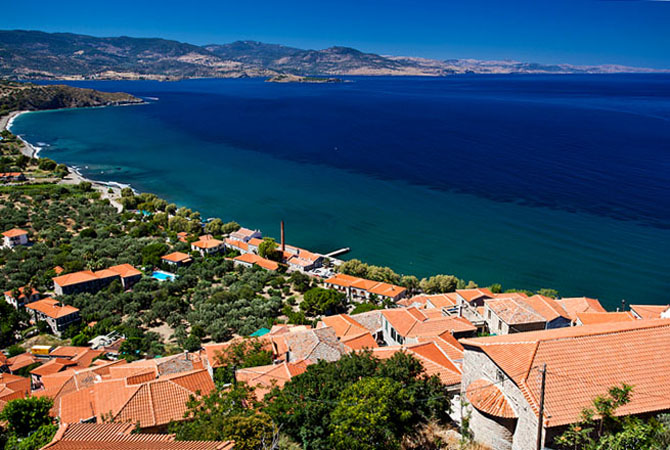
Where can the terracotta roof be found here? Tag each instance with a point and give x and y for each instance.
(341, 279)
(51, 308)
(432, 358)
(125, 270)
(117, 436)
(238, 244)
(14, 232)
(374, 287)
(649, 311)
(177, 257)
(547, 307)
(576, 305)
(53, 366)
(243, 232)
(14, 383)
(514, 311)
(584, 362)
(264, 378)
(486, 397)
(255, 242)
(75, 278)
(313, 344)
(343, 325)
(22, 292)
(20, 361)
(411, 322)
(213, 351)
(252, 258)
(448, 344)
(592, 318)
(474, 294)
(67, 351)
(207, 243)
(359, 341)
(58, 270)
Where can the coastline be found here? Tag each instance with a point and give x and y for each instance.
(74, 176)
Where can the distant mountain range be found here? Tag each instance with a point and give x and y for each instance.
(39, 55)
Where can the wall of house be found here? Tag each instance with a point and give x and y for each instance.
(491, 430)
(389, 334)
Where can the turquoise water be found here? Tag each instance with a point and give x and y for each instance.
(527, 186)
(162, 276)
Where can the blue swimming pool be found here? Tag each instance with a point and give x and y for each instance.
(162, 276)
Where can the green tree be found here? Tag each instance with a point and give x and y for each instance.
(410, 282)
(25, 415)
(319, 301)
(151, 254)
(230, 227)
(35, 441)
(214, 227)
(439, 284)
(248, 352)
(268, 249)
(372, 413)
(552, 293)
(226, 415)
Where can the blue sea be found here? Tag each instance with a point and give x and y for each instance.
(529, 181)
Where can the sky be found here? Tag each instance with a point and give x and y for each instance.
(629, 32)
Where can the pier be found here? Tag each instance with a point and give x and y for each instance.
(339, 252)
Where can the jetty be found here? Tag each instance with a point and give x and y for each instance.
(338, 252)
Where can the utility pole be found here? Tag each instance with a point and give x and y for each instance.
(543, 371)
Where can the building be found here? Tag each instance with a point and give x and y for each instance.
(207, 245)
(57, 315)
(14, 237)
(92, 282)
(245, 235)
(592, 318)
(114, 436)
(574, 305)
(297, 344)
(236, 246)
(404, 326)
(22, 299)
(12, 387)
(8, 177)
(360, 289)
(253, 245)
(251, 259)
(301, 260)
(352, 334)
(177, 259)
(264, 378)
(512, 315)
(501, 378)
(650, 311)
(424, 301)
(474, 297)
(433, 359)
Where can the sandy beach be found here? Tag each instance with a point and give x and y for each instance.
(108, 191)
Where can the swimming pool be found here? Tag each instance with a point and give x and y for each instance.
(162, 276)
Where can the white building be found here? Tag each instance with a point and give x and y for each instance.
(14, 237)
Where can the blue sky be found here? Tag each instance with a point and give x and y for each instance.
(571, 31)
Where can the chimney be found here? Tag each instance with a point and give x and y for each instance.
(283, 243)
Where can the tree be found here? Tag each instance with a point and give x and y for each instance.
(371, 414)
(151, 254)
(214, 227)
(552, 293)
(304, 406)
(25, 415)
(601, 429)
(268, 249)
(319, 301)
(250, 352)
(35, 441)
(354, 267)
(439, 284)
(230, 227)
(410, 282)
(227, 415)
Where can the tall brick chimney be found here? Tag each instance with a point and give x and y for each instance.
(283, 242)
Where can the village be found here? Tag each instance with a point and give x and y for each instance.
(519, 368)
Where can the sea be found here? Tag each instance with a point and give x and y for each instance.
(531, 181)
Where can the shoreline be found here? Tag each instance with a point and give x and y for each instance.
(74, 176)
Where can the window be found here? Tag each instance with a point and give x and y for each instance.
(490, 314)
(499, 324)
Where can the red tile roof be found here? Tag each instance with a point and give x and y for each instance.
(177, 257)
(547, 307)
(125, 270)
(359, 341)
(374, 287)
(432, 358)
(264, 378)
(14, 232)
(584, 362)
(487, 397)
(117, 436)
(252, 258)
(411, 322)
(514, 311)
(207, 243)
(22, 292)
(52, 308)
(649, 311)
(576, 305)
(473, 294)
(591, 318)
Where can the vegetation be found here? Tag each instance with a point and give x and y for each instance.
(601, 429)
(358, 399)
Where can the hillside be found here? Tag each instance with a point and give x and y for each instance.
(30, 97)
(39, 55)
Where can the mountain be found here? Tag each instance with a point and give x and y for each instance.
(39, 55)
(31, 97)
